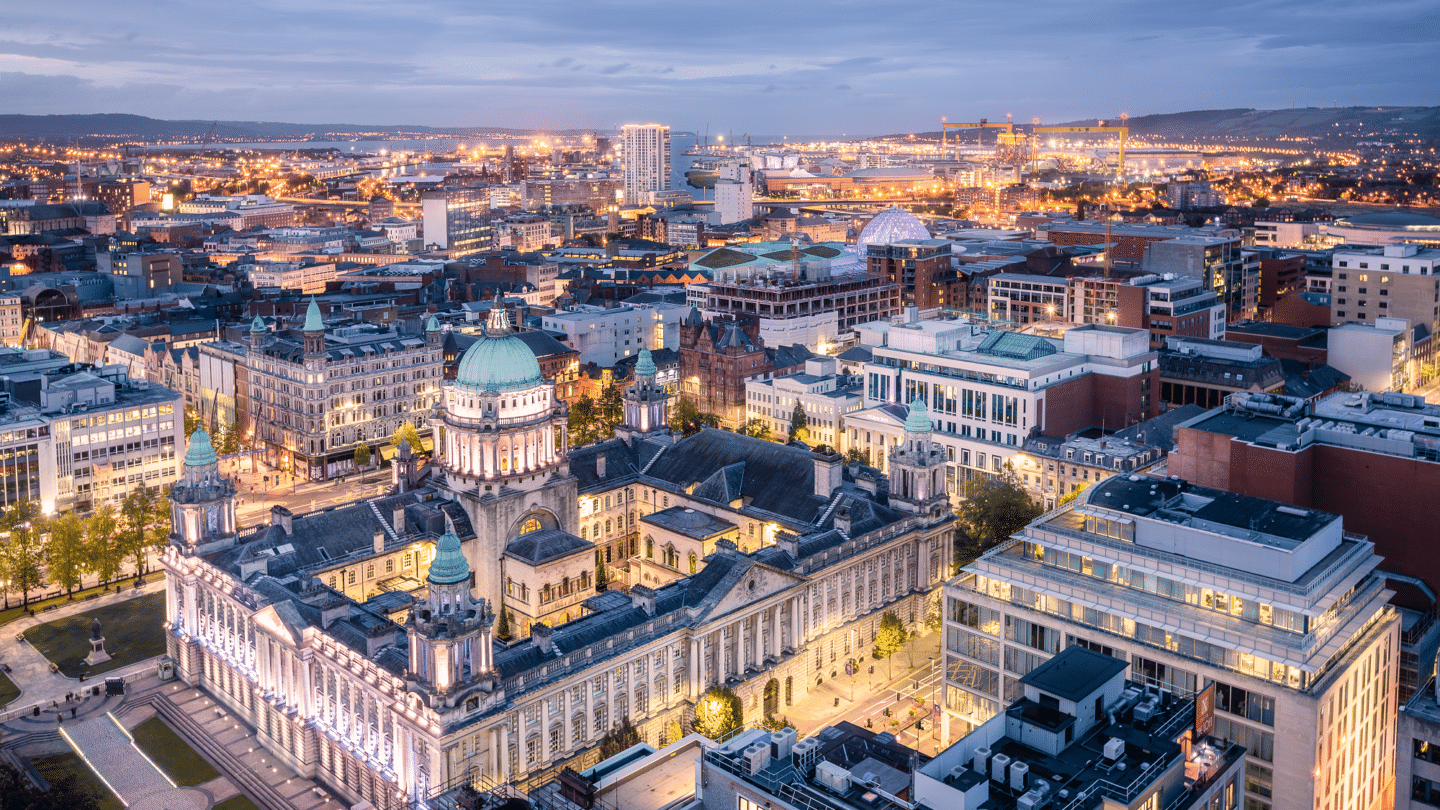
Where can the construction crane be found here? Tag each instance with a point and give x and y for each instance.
(1123, 131)
(982, 125)
(210, 135)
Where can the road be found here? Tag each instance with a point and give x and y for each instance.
(258, 496)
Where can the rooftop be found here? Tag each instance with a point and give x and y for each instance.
(1267, 522)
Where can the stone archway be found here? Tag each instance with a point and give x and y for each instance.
(772, 698)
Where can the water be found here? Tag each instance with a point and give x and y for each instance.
(680, 143)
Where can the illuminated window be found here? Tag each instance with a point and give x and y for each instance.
(531, 525)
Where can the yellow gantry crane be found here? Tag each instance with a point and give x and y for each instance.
(982, 125)
(1123, 131)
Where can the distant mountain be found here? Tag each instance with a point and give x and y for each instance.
(117, 125)
(1381, 123)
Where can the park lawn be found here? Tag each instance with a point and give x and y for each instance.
(16, 610)
(58, 766)
(171, 754)
(132, 631)
(8, 690)
(240, 802)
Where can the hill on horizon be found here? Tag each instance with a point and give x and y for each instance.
(123, 125)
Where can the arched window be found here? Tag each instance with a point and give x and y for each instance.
(632, 520)
(692, 562)
(607, 501)
(649, 549)
(597, 530)
(531, 525)
(607, 526)
(583, 531)
(557, 738)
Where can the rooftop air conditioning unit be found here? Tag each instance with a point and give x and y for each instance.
(1114, 747)
(1018, 772)
(982, 759)
(998, 764)
(757, 756)
(833, 776)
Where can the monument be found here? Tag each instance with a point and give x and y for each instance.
(97, 646)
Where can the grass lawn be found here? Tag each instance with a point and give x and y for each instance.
(58, 766)
(15, 611)
(240, 802)
(8, 690)
(131, 629)
(171, 754)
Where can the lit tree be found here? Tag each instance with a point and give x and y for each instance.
(601, 577)
(891, 636)
(68, 552)
(757, 428)
(362, 457)
(24, 554)
(611, 410)
(502, 625)
(102, 542)
(583, 422)
(619, 738)
(406, 433)
(799, 424)
(995, 508)
(718, 713)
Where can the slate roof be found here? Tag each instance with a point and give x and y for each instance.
(769, 477)
(544, 545)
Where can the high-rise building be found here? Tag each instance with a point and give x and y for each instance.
(645, 153)
(735, 192)
(1394, 281)
(1276, 608)
(457, 219)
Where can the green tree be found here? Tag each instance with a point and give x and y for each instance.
(891, 636)
(192, 421)
(24, 553)
(799, 424)
(687, 419)
(583, 422)
(362, 457)
(857, 456)
(996, 507)
(619, 738)
(601, 575)
(757, 428)
(407, 432)
(673, 732)
(611, 410)
(138, 530)
(226, 440)
(68, 553)
(102, 542)
(502, 626)
(1427, 372)
(718, 713)
(65, 793)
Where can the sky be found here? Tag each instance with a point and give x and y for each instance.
(778, 67)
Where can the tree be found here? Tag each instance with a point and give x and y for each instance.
(138, 523)
(995, 508)
(890, 638)
(226, 440)
(192, 421)
(934, 621)
(799, 424)
(1427, 371)
(68, 552)
(583, 422)
(718, 713)
(406, 433)
(857, 456)
(601, 577)
(65, 793)
(1070, 496)
(757, 428)
(611, 410)
(362, 456)
(102, 544)
(688, 419)
(24, 554)
(502, 626)
(619, 738)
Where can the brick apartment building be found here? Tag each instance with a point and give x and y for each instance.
(921, 267)
(718, 357)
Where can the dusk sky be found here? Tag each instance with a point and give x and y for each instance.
(762, 67)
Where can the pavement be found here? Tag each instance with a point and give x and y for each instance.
(105, 746)
(257, 495)
(31, 671)
(906, 675)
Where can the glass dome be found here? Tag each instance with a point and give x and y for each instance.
(891, 225)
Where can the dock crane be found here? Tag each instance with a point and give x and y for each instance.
(1123, 131)
(982, 125)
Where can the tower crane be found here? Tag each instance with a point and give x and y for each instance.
(982, 125)
(1123, 131)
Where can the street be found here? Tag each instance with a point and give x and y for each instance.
(257, 495)
(907, 675)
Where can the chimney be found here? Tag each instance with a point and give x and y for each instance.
(282, 517)
(540, 634)
(828, 472)
(379, 541)
(643, 598)
(788, 543)
(379, 637)
(398, 521)
(600, 466)
(334, 610)
(842, 521)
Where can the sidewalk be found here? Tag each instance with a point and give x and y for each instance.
(872, 693)
(31, 671)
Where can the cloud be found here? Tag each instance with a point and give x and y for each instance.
(613, 69)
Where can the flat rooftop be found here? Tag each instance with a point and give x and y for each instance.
(1269, 522)
(1076, 675)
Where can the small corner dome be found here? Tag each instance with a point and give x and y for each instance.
(200, 453)
(918, 420)
(449, 566)
(498, 365)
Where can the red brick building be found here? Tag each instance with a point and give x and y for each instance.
(1384, 486)
(718, 357)
(923, 270)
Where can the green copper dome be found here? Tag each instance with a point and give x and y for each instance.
(449, 566)
(919, 419)
(433, 325)
(257, 325)
(313, 323)
(200, 453)
(498, 365)
(646, 364)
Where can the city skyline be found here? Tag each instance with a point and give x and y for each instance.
(746, 68)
